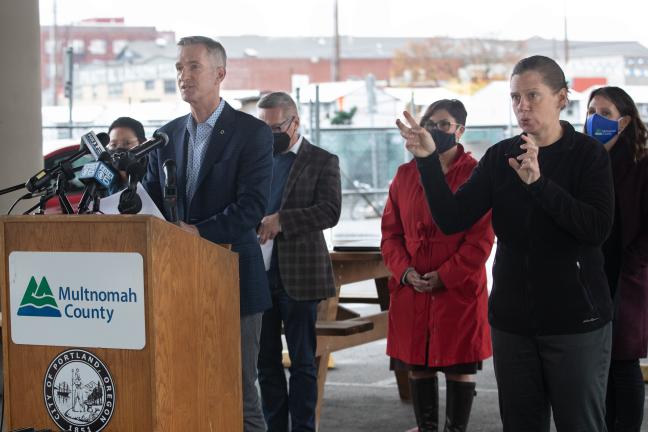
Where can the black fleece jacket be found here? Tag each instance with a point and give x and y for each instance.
(548, 274)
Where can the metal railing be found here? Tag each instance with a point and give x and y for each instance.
(369, 157)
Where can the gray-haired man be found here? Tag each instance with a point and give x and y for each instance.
(305, 198)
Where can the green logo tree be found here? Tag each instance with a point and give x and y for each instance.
(39, 300)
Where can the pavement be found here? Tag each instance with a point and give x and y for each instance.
(361, 392)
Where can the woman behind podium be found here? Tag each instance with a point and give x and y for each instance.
(551, 195)
(438, 295)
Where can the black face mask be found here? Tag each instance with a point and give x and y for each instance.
(444, 141)
(281, 142)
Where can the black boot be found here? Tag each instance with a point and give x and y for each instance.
(425, 399)
(459, 398)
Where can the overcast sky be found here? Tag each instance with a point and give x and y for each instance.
(594, 20)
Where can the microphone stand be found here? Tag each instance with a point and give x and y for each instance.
(38, 204)
(42, 203)
(129, 201)
(44, 197)
(62, 180)
(88, 196)
(170, 191)
(95, 204)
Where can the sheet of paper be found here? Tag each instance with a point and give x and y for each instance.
(109, 204)
(266, 250)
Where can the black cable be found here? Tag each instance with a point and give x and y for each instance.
(27, 195)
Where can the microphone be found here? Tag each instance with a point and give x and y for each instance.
(90, 144)
(95, 147)
(134, 162)
(122, 160)
(160, 139)
(98, 177)
(129, 201)
(170, 190)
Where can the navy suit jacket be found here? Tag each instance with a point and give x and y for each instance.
(232, 192)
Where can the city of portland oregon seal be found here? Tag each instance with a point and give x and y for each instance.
(79, 392)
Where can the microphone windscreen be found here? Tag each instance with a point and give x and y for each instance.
(104, 138)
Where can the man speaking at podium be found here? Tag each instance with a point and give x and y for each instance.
(224, 160)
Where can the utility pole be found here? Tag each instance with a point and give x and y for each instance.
(335, 64)
(54, 56)
(69, 84)
(566, 38)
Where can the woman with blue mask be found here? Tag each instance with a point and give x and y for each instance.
(613, 119)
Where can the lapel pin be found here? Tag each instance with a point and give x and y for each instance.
(222, 132)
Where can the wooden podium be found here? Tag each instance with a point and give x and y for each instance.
(187, 377)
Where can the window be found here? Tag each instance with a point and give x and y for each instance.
(97, 46)
(78, 46)
(49, 46)
(115, 89)
(169, 86)
(150, 85)
(643, 109)
(118, 45)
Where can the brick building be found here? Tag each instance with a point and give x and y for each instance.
(96, 40)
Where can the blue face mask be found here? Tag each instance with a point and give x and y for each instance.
(601, 128)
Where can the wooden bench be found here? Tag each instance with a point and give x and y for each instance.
(644, 371)
(339, 327)
(343, 328)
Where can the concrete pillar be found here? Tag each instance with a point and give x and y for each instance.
(21, 142)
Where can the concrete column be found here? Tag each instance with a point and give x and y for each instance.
(21, 142)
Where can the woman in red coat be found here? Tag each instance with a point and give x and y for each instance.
(438, 296)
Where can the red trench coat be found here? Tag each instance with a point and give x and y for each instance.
(452, 323)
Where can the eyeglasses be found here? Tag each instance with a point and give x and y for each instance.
(277, 128)
(122, 144)
(442, 125)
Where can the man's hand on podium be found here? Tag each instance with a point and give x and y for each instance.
(191, 229)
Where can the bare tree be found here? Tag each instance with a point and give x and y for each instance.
(439, 59)
(427, 62)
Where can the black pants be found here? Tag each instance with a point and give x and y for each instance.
(625, 396)
(564, 373)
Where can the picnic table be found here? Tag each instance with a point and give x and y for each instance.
(339, 327)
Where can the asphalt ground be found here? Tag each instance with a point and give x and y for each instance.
(361, 392)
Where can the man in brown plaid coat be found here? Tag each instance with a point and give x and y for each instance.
(305, 199)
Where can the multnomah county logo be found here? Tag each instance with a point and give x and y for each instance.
(79, 391)
(50, 305)
(38, 300)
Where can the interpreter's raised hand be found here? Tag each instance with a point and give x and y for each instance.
(269, 228)
(418, 140)
(526, 165)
